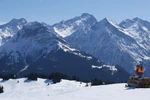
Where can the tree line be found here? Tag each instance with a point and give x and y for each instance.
(54, 76)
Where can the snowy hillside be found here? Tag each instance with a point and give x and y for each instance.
(68, 90)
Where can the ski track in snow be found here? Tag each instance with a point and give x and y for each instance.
(68, 90)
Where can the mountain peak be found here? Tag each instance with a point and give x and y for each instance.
(107, 21)
(35, 24)
(86, 15)
(137, 19)
(11, 28)
(89, 17)
(100, 24)
(135, 22)
(18, 21)
(126, 23)
(104, 20)
(126, 20)
(83, 22)
(14, 23)
(33, 28)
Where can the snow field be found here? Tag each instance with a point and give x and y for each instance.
(68, 90)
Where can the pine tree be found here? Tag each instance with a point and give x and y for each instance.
(97, 82)
(9, 76)
(32, 76)
(1, 89)
(56, 77)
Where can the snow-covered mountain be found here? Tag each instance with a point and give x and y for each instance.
(9, 29)
(68, 90)
(124, 44)
(37, 49)
(39, 44)
(139, 30)
(109, 43)
(83, 22)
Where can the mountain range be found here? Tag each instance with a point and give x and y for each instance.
(35, 47)
(124, 44)
(80, 46)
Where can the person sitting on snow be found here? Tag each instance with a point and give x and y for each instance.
(140, 69)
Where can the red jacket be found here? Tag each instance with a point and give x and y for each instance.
(140, 70)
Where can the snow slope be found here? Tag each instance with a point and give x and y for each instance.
(68, 90)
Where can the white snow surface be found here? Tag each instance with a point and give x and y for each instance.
(111, 68)
(66, 48)
(68, 90)
(64, 33)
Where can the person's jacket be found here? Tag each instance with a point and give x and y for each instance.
(140, 70)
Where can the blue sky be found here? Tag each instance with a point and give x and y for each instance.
(53, 11)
